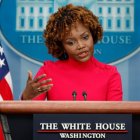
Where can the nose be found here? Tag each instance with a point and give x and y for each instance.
(80, 45)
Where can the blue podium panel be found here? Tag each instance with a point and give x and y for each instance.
(21, 126)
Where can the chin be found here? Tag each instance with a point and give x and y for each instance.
(84, 59)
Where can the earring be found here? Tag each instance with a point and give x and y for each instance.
(65, 55)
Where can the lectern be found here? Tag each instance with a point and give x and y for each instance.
(19, 114)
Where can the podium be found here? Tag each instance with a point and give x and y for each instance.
(19, 114)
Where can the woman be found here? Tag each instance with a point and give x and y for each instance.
(70, 35)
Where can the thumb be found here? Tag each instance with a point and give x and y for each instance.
(30, 76)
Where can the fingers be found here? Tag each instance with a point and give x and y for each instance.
(38, 84)
(41, 86)
(44, 88)
(39, 78)
(30, 76)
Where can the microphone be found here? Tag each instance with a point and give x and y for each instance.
(74, 95)
(85, 95)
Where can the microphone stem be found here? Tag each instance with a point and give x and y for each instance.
(85, 98)
(74, 98)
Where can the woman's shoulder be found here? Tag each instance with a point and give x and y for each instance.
(48, 62)
(48, 66)
(105, 67)
(52, 63)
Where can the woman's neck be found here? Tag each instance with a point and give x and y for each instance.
(77, 64)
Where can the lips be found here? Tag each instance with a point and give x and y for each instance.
(83, 54)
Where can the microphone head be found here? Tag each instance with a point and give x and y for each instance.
(84, 93)
(74, 93)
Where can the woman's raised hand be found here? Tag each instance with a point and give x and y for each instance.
(36, 86)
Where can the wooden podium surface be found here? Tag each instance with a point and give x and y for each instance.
(20, 113)
(30, 107)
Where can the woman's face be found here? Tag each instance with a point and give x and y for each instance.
(79, 43)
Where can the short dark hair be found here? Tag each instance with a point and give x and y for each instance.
(60, 23)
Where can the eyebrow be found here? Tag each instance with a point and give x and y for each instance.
(80, 35)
